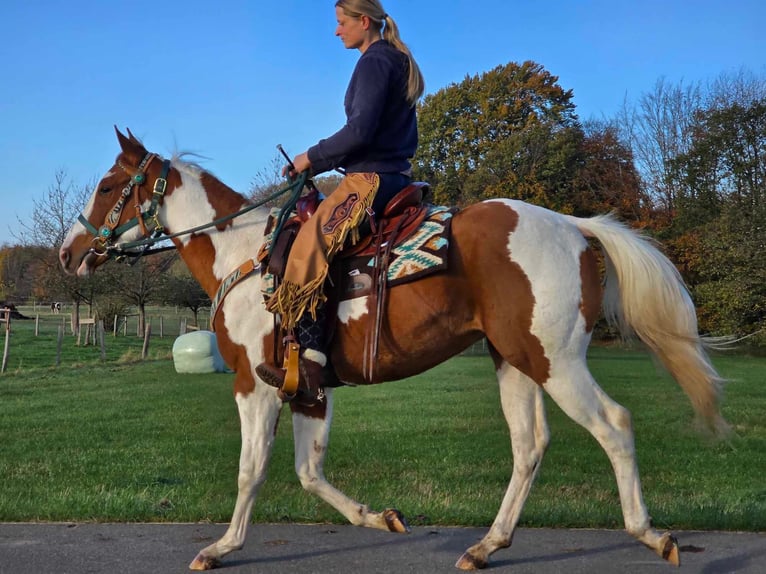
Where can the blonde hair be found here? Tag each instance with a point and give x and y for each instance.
(378, 17)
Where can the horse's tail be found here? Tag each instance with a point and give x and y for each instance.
(645, 294)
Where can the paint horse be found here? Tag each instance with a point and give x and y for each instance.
(521, 276)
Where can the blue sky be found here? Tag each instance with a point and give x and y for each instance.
(231, 79)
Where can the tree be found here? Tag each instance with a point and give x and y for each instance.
(268, 181)
(144, 282)
(511, 132)
(607, 179)
(657, 130)
(20, 272)
(52, 217)
(722, 205)
(183, 290)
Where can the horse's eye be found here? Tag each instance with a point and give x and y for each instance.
(104, 189)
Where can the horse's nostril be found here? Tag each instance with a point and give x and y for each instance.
(64, 257)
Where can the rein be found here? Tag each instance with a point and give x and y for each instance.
(105, 236)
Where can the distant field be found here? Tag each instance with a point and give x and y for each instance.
(135, 441)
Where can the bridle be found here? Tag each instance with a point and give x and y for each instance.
(153, 231)
(105, 236)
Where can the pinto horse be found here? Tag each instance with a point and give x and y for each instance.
(523, 277)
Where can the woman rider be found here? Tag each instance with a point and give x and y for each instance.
(373, 149)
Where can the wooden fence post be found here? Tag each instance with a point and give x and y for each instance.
(101, 340)
(59, 342)
(7, 320)
(90, 331)
(37, 325)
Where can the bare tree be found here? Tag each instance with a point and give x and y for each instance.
(658, 129)
(183, 290)
(742, 87)
(52, 216)
(145, 282)
(268, 181)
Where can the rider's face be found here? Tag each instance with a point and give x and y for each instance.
(353, 31)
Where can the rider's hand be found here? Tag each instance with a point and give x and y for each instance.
(301, 163)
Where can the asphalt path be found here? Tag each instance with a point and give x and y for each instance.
(332, 549)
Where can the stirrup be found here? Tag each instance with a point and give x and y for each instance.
(285, 379)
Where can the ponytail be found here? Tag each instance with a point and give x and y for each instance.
(415, 83)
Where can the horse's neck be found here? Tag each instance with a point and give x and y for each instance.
(211, 254)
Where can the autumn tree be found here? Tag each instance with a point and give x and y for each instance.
(20, 270)
(607, 180)
(721, 182)
(509, 132)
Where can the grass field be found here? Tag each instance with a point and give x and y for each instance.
(135, 441)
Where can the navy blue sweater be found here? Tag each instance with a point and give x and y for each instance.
(381, 131)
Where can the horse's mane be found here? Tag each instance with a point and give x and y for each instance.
(194, 169)
(179, 162)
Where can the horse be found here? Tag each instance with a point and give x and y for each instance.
(56, 308)
(527, 279)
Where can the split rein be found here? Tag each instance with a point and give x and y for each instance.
(105, 235)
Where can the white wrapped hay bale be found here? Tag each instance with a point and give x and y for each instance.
(197, 352)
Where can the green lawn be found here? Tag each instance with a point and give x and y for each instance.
(134, 441)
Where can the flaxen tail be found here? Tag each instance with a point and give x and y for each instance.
(644, 294)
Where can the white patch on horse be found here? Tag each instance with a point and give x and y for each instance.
(352, 310)
(245, 318)
(547, 247)
(78, 228)
(188, 205)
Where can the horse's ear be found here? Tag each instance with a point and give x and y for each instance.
(130, 145)
(133, 138)
(121, 138)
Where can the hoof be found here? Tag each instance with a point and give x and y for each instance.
(395, 521)
(470, 562)
(204, 563)
(670, 550)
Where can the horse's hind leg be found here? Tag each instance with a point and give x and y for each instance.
(522, 402)
(311, 434)
(579, 396)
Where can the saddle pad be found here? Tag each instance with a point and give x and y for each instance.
(423, 253)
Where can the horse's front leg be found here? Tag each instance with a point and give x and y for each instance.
(258, 413)
(311, 429)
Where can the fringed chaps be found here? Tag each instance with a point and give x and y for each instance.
(318, 240)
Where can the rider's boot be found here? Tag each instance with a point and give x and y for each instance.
(314, 372)
(314, 375)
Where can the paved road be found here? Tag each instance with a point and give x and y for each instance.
(333, 549)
